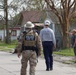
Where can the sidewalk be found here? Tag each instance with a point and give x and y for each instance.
(65, 59)
(10, 65)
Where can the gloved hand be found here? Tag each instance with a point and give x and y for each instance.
(18, 54)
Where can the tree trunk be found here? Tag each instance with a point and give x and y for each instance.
(6, 20)
(65, 28)
(65, 40)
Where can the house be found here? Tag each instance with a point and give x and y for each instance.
(15, 33)
(15, 30)
(35, 16)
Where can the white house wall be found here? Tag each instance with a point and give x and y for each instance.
(12, 37)
(15, 37)
(18, 32)
(2, 34)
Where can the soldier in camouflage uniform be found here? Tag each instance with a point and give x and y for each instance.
(27, 45)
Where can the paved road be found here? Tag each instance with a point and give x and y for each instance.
(10, 65)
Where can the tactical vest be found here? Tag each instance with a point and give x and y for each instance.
(29, 42)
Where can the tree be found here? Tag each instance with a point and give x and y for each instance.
(32, 4)
(36, 4)
(8, 6)
(64, 10)
(6, 20)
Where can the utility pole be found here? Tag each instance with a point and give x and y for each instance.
(6, 20)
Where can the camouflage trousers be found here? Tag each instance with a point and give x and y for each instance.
(30, 56)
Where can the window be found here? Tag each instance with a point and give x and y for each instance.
(14, 33)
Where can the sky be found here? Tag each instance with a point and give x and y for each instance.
(11, 12)
(1, 11)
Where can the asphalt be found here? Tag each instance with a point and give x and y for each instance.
(10, 65)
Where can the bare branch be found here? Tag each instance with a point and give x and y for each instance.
(72, 4)
(1, 6)
(73, 8)
(69, 1)
(54, 10)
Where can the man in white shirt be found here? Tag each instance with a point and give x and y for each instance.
(49, 42)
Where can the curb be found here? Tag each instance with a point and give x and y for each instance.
(64, 59)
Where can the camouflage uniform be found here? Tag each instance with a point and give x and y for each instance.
(29, 55)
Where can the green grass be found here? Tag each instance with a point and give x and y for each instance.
(65, 52)
(7, 47)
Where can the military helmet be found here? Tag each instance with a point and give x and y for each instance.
(29, 24)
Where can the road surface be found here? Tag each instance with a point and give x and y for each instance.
(10, 65)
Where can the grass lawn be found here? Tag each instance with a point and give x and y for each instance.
(65, 52)
(7, 47)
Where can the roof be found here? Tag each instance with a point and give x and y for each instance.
(33, 16)
(36, 16)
